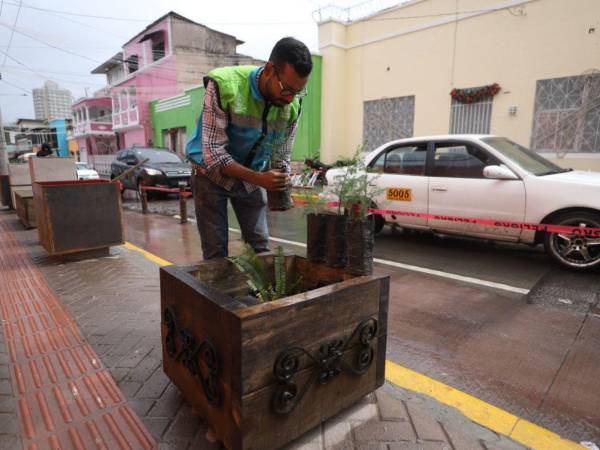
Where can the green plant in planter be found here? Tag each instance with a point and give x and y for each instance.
(336, 254)
(356, 194)
(255, 269)
(359, 192)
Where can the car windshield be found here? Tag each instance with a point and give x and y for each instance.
(81, 166)
(527, 159)
(158, 156)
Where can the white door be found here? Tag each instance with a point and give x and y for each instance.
(399, 171)
(458, 188)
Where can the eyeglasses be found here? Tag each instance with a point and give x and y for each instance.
(286, 91)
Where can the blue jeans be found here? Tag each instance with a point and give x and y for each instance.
(210, 201)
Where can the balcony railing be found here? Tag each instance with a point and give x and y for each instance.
(126, 118)
(92, 126)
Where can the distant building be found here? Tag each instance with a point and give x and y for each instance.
(31, 134)
(60, 128)
(169, 56)
(93, 135)
(51, 101)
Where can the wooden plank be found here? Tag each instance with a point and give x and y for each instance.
(24, 206)
(52, 169)
(305, 320)
(204, 317)
(42, 218)
(266, 430)
(19, 174)
(70, 210)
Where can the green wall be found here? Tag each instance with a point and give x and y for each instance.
(308, 135)
(184, 116)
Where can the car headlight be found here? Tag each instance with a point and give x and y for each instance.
(153, 172)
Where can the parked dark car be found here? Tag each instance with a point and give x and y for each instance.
(163, 168)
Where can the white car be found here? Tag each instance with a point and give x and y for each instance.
(85, 173)
(487, 177)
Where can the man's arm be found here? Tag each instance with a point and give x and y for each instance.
(216, 156)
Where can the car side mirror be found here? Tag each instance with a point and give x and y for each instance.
(131, 162)
(499, 173)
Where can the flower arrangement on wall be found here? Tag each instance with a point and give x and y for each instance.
(475, 95)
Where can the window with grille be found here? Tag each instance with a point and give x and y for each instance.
(387, 119)
(471, 118)
(567, 114)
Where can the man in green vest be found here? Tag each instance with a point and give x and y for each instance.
(243, 142)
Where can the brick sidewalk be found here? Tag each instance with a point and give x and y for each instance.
(116, 303)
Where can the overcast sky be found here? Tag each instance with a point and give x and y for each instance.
(259, 23)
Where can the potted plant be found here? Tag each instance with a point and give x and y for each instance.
(336, 252)
(264, 287)
(359, 195)
(280, 200)
(314, 209)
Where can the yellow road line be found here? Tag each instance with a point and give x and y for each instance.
(490, 416)
(152, 257)
(496, 419)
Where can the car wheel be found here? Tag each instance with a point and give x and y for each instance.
(574, 250)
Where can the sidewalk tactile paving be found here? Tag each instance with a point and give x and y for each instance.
(65, 398)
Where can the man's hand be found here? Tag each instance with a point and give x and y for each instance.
(273, 180)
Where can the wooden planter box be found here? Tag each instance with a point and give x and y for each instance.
(263, 375)
(24, 206)
(77, 216)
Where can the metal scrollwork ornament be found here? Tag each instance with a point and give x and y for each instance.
(327, 364)
(200, 358)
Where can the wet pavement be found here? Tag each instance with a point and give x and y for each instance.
(536, 360)
(111, 304)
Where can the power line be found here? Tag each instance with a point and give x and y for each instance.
(91, 16)
(12, 33)
(91, 27)
(15, 86)
(47, 43)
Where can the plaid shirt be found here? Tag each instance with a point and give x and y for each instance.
(214, 140)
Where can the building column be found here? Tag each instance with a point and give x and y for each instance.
(332, 43)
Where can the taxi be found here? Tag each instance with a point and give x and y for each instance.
(443, 183)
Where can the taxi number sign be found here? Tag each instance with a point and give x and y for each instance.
(399, 194)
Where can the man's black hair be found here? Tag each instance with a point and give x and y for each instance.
(295, 53)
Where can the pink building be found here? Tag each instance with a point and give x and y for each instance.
(170, 55)
(93, 128)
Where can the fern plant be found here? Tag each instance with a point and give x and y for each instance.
(354, 189)
(255, 269)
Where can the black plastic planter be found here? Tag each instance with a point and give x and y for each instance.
(360, 242)
(335, 240)
(280, 200)
(315, 237)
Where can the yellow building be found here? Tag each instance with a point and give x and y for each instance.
(389, 75)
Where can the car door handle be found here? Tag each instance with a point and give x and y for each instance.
(439, 189)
